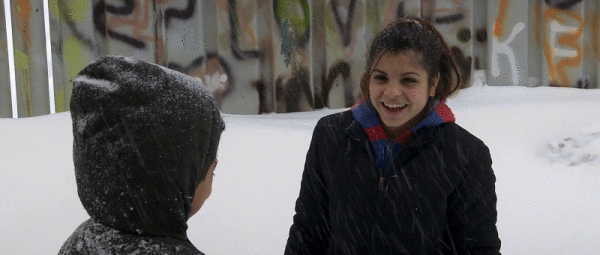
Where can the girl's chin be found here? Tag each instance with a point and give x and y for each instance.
(393, 125)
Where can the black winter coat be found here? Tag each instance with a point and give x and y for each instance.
(439, 196)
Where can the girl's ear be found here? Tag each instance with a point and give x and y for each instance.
(434, 83)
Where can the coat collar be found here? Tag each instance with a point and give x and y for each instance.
(367, 123)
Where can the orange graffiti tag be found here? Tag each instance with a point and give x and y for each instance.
(139, 21)
(557, 71)
(499, 25)
(23, 10)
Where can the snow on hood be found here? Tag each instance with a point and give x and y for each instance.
(143, 139)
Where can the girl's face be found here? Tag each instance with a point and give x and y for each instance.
(203, 190)
(399, 89)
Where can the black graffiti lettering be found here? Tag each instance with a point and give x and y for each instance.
(481, 35)
(182, 14)
(279, 95)
(202, 60)
(450, 18)
(400, 12)
(176, 67)
(261, 87)
(297, 88)
(238, 53)
(99, 17)
(464, 35)
(127, 8)
(345, 27)
(341, 68)
(563, 5)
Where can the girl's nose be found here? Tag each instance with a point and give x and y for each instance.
(394, 90)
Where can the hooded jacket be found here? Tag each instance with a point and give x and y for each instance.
(144, 137)
(432, 194)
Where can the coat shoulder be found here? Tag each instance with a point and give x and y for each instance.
(462, 137)
(337, 120)
(460, 146)
(338, 127)
(92, 237)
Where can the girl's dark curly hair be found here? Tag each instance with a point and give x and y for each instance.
(417, 35)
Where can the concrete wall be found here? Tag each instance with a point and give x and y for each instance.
(294, 55)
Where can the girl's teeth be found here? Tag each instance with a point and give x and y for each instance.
(393, 106)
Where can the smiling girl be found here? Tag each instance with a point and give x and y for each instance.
(395, 174)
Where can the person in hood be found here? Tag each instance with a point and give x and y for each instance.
(395, 174)
(145, 144)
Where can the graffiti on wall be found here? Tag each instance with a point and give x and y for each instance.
(452, 18)
(298, 55)
(503, 47)
(562, 47)
(562, 38)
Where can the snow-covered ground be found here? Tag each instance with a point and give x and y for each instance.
(545, 145)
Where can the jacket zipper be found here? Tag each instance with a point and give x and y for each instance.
(382, 177)
(381, 181)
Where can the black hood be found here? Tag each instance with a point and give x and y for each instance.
(144, 137)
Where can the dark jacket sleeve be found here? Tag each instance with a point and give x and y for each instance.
(472, 208)
(309, 233)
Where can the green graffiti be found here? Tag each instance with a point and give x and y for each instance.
(60, 102)
(75, 10)
(297, 13)
(73, 56)
(21, 60)
(22, 63)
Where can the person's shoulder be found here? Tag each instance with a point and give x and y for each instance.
(92, 237)
(458, 137)
(339, 119)
(337, 127)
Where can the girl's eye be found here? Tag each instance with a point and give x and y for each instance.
(380, 77)
(409, 80)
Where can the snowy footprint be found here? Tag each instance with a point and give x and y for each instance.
(574, 149)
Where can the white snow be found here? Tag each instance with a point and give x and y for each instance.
(104, 84)
(548, 195)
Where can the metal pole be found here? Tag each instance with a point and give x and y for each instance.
(11, 58)
(49, 58)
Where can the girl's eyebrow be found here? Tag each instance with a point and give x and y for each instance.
(375, 69)
(403, 74)
(407, 73)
